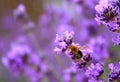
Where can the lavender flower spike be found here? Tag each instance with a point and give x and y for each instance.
(20, 13)
(105, 12)
(20, 60)
(16, 58)
(63, 41)
(94, 72)
(114, 74)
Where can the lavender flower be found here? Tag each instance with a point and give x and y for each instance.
(21, 60)
(108, 14)
(114, 74)
(100, 48)
(63, 41)
(12, 59)
(102, 5)
(116, 40)
(105, 13)
(68, 74)
(113, 26)
(21, 15)
(94, 72)
(116, 4)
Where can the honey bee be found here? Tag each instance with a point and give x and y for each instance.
(74, 50)
(79, 55)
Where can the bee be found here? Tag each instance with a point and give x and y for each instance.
(75, 51)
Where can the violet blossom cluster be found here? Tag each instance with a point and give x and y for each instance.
(63, 41)
(20, 14)
(108, 14)
(94, 72)
(114, 74)
(20, 60)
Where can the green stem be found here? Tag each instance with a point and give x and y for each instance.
(103, 78)
(60, 61)
(73, 79)
(33, 39)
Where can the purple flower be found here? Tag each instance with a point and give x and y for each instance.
(82, 62)
(116, 40)
(80, 65)
(13, 59)
(113, 26)
(21, 60)
(107, 15)
(116, 3)
(114, 74)
(105, 12)
(20, 13)
(69, 73)
(87, 58)
(100, 48)
(94, 71)
(63, 41)
(102, 4)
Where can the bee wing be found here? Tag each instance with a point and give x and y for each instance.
(83, 48)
